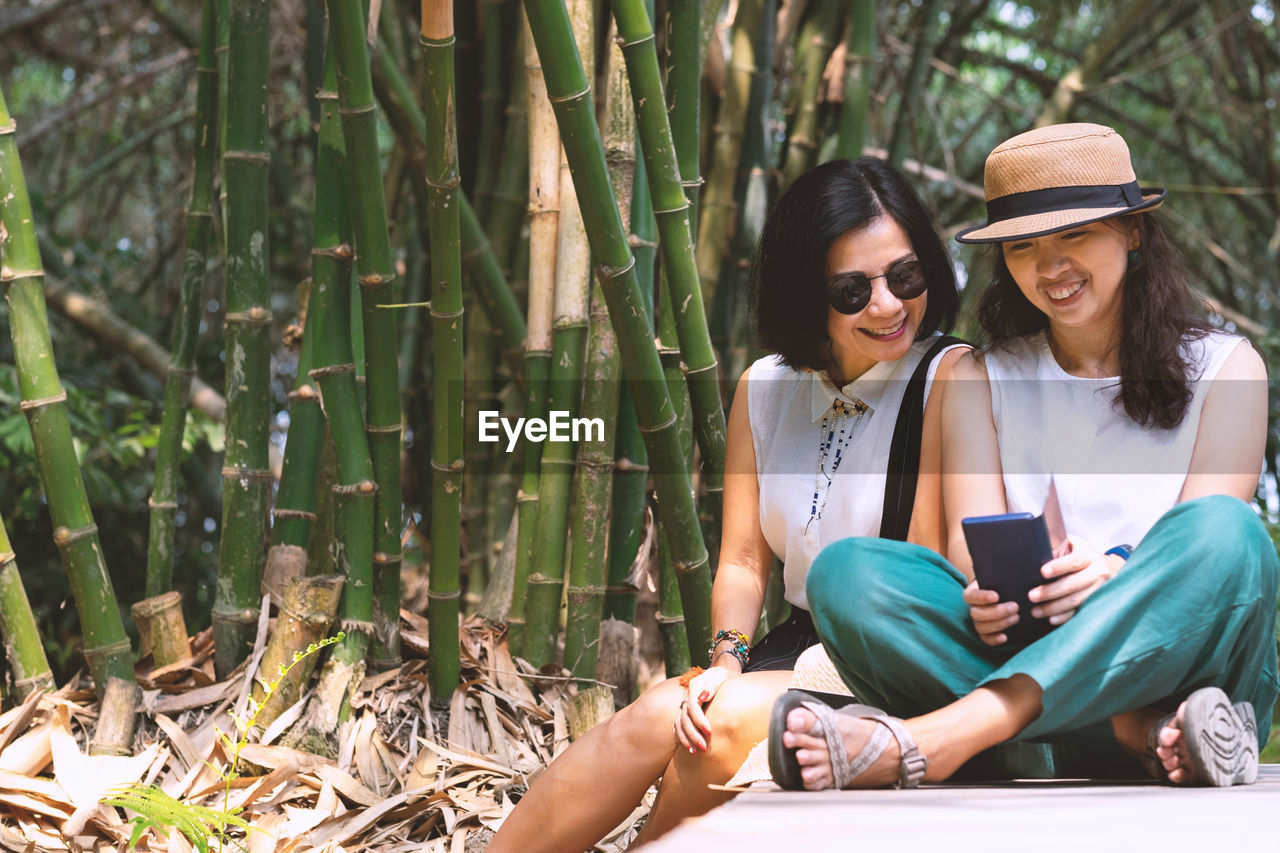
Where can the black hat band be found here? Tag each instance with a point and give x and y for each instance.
(1063, 198)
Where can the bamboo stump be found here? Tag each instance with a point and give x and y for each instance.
(588, 709)
(162, 630)
(307, 610)
(619, 660)
(285, 564)
(117, 718)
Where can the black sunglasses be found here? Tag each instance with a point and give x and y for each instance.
(850, 293)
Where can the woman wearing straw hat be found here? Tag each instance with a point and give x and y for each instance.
(852, 286)
(1103, 401)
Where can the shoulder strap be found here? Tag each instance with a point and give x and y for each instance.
(904, 452)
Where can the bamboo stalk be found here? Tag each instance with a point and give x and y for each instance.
(544, 223)
(815, 46)
(589, 527)
(246, 473)
(719, 213)
(859, 76)
(480, 394)
(568, 353)
(335, 374)
(510, 202)
(107, 648)
(671, 207)
(492, 75)
(163, 504)
(615, 267)
(376, 269)
(670, 616)
(447, 346)
(162, 630)
(913, 88)
(22, 646)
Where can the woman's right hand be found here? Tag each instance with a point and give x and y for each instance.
(691, 726)
(991, 616)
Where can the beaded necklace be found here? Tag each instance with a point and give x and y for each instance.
(827, 438)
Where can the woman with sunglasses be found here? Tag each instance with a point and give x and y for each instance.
(852, 285)
(1104, 401)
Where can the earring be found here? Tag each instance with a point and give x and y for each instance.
(1134, 255)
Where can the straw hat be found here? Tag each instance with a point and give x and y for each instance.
(1056, 177)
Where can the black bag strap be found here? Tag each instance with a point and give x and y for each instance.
(904, 452)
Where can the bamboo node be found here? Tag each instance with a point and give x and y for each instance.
(8, 275)
(385, 559)
(31, 405)
(66, 535)
(447, 315)
(608, 272)
(199, 214)
(255, 316)
(299, 514)
(364, 487)
(683, 567)
(36, 681)
(639, 243)
(117, 648)
(432, 595)
(377, 279)
(622, 590)
(688, 372)
(452, 184)
(669, 210)
(152, 503)
(572, 96)
(7, 557)
(304, 392)
(357, 626)
(318, 372)
(235, 616)
(696, 183)
(625, 464)
(624, 44)
(383, 430)
(10, 128)
(355, 111)
(181, 372)
(669, 620)
(457, 466)
(232, 472)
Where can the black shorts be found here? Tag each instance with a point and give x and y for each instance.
(782, 646)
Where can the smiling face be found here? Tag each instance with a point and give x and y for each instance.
(885, 329)
(1074, 276)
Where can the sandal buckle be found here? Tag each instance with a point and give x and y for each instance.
(911, 769)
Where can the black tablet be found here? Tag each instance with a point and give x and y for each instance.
(1008, 551)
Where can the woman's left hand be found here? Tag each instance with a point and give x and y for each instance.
(1076, 571)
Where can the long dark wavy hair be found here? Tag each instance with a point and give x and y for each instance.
(1158, 314)
(789, 278)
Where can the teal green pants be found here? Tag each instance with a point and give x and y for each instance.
(1195, 606)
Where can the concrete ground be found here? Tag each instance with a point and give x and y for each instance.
(1018, 817)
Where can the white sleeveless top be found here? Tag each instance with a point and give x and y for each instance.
(786, 409)
(1114, 478)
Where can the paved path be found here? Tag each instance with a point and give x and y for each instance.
(1028, 817)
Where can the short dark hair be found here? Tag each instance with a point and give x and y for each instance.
(1158, 314)
(789, 278)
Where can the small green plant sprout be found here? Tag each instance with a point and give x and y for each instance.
(157, 810)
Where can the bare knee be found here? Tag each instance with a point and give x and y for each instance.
(651, 717)
(739, 714)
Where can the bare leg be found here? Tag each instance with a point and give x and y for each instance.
(739, 718)
(594, 784)
(947, 737)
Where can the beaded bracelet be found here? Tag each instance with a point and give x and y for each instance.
(740, 649)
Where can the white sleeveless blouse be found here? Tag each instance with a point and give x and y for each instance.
(786, 409)
(1113, 478)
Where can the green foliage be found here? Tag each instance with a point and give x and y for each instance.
(157, 810)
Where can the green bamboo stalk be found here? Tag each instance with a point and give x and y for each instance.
(631, 466)
(222, 56)
(330, 325)
(510, 200)
(447, 348)
(593, 486)
(107, 648)
(670, 616)
(480, 393)
(376, 269)
(22, 646)
(615, 267)
(671, 207)
(685, 52)
(544, 223)
(914, 86)
(296, 500)
(478, 255)
(815, 45)
(164, 495)
(246, 472)
(719, 212)
(492, 74)
(859, 75)
(568, 353)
